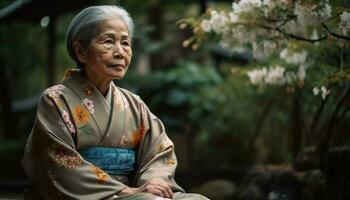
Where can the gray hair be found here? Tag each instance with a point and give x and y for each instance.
(83, 27)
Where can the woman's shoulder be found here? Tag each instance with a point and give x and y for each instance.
(53, 92)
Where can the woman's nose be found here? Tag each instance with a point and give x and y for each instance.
(118, 51)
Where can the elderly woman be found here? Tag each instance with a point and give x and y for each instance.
(92, 139)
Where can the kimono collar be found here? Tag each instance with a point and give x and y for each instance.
(69, 72)
(90, 99)
(109, 94)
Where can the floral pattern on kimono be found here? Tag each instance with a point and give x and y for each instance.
(75, 115)
(64, 157)
(51, 160)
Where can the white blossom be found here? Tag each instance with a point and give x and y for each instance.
(242, 35)
(275, 76)
(233, 17)
(257, 76)
(324, 92)
(236, 38)
(344, 23)
(263, 50)
(270, 5)
(308, 16)
(245, 6)
(206, 26)
(296, 58)
(301, 72)
(238, 32)
(316, 91)
(218, 23)
(235, 31)
(293, 57)
(322, 14)
(315, 36)
(271, 76)
(303, 15)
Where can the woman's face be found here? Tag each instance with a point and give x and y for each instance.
(109, 53)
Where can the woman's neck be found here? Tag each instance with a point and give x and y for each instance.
(102, 84)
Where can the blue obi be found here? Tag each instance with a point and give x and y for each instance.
(114, 161)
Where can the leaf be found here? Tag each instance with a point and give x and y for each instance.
(87, 129)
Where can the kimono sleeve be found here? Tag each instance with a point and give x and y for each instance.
(51, 162)
(156, 154)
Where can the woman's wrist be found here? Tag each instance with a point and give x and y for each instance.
(127, 190)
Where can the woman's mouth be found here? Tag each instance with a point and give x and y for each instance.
(116, 66)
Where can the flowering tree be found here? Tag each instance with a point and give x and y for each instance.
(283, 37)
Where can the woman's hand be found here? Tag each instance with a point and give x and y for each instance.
(154, 187)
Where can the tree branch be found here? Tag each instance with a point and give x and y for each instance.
(335, 34)
(295, 36)
(306, 39)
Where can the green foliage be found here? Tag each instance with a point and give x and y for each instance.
(173, 94)
(23, 56)
(217, 106)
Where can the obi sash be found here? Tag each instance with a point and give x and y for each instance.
(114, 161)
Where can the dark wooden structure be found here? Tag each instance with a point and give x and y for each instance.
(32, 11)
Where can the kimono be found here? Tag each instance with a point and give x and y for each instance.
(84, 145)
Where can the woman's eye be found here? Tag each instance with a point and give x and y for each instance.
(109, 41)
(125, 42)
(108, 44)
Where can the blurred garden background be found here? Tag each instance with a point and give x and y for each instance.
(255, 94)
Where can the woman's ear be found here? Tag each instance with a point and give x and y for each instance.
(79, 52)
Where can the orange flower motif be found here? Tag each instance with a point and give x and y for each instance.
(160, 147)
(88, 90)
(101, 175)
(170, 162)
(80, 114)
(136, 136)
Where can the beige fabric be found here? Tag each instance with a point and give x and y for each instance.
(109, 95)
(74, 115)
(146, 196)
